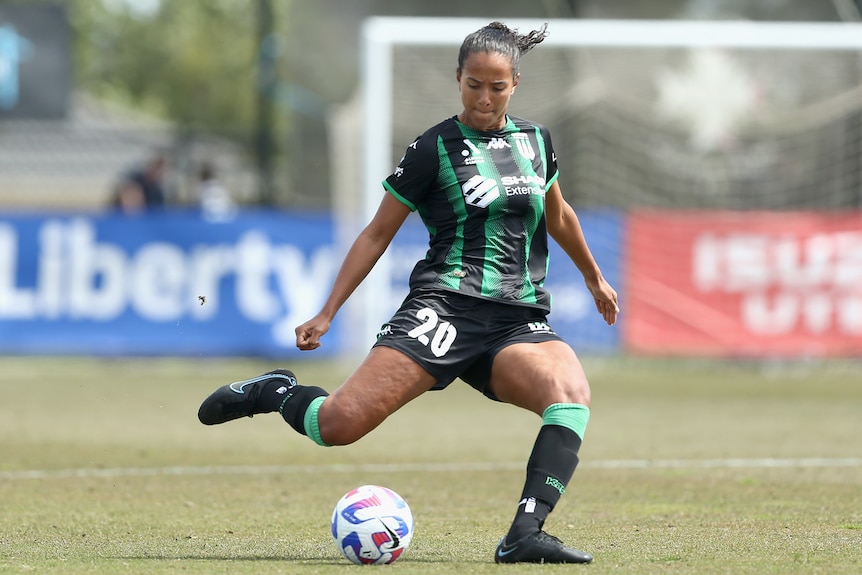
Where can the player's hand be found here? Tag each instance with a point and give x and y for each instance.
(605, 298)
(308, 334)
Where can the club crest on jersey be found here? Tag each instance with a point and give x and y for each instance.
(523, 145)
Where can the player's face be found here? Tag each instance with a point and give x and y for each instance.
(486, 84)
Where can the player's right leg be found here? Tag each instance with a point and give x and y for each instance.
(546, 378)
(386, 380)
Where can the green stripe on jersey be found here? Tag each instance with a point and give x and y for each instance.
(454, 257)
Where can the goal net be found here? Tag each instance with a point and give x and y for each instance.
(645, 115)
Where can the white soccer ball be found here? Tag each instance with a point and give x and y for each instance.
(372, 525)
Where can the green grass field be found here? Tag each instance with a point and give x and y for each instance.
(689, 467)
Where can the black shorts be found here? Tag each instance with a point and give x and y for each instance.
(452, 335)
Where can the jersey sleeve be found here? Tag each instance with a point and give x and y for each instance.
(552, 172)
(415, 173)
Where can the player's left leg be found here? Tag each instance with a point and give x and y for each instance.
(547, 379)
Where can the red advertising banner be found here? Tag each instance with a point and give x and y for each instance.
(747, 284)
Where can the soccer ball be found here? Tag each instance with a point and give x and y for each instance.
(372, 525)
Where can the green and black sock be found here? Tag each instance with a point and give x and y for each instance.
(299, 408)
(297, 404)
(273, 392)
(550, 467)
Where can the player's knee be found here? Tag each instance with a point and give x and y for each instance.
(337, 428)
(581, 396)
(571, 390)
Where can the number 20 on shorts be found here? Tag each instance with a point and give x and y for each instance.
(444, 332)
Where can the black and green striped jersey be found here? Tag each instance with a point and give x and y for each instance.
(481, 195)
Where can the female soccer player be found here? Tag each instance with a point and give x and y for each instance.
(485, 185)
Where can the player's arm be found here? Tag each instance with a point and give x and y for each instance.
(565, 228)
(360, 259)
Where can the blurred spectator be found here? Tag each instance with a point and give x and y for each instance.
(214, 199)
(142, 189)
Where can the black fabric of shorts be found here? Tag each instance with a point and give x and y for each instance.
(452, 335)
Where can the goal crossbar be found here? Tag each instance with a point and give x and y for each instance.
(627, 33)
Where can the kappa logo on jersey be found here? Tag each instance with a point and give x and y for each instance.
(523, 145)
(472, 155)
(497, 144)
(398, 171)
(480, 191)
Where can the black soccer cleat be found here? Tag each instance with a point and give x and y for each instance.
(539, 547)
(240, 398)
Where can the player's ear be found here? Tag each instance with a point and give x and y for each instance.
(515, 81)
(458, 77)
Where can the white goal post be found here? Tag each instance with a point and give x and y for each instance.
(382, 35)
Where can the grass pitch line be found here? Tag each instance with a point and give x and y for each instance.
(763, 463)
(768, 462)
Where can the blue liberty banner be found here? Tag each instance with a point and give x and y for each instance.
(176, 284)
(161, 284)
